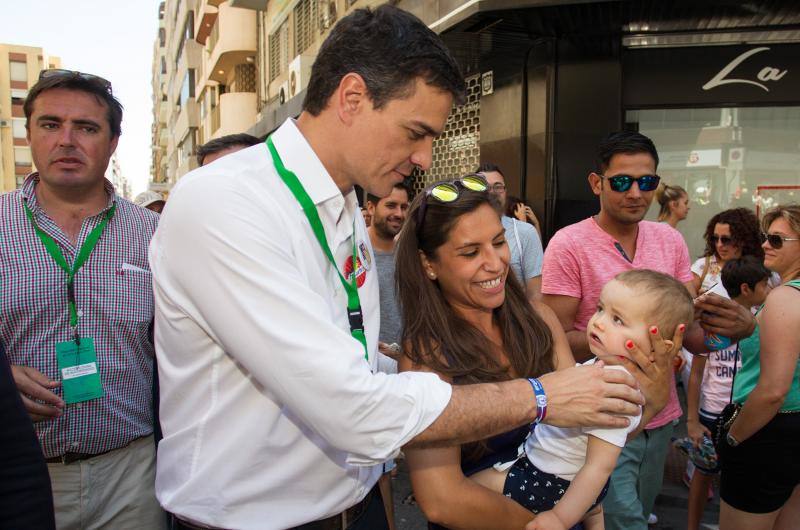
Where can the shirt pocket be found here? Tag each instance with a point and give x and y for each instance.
(132, 295)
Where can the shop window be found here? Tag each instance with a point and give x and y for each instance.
(724, 158)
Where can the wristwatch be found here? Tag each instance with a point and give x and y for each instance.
(733, 442)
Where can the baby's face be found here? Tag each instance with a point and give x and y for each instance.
(620, 317)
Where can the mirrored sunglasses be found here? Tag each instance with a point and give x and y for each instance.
(622, 183)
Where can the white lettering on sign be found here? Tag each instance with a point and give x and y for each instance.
(767, 73)
(79, 370)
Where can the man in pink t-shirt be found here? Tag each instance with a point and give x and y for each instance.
(578, 262)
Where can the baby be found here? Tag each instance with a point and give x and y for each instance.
(563, 474)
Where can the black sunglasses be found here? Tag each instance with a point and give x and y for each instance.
(448, 191)
(775, 240)
(622, 183)
(60, 72)
(725, 240)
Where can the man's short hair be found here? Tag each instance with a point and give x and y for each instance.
(225, 142)
(374, 199)
(624, 143)
(81, 83)
(488, 167)
(747, 269)
(389, 48)
(671, 303)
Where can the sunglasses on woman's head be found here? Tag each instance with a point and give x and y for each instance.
(622, 183)
(447, 191)
(775, 240)
(725, 240)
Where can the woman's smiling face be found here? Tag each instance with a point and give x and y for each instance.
(472, 266)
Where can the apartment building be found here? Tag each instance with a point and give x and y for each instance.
(19, 70)
(224, 67)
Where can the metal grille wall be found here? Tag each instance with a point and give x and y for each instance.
(457, 151)
(306, 14)
(279, 51)
(244, 77)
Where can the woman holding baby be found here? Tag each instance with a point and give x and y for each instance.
(467, 319)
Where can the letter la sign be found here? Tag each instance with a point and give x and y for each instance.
(768, 73)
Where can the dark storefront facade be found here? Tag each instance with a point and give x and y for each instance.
(716, 85)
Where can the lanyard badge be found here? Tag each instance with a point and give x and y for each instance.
(354, 312)
(77, 359)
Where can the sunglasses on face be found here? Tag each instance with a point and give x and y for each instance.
(448, 191)
(60, 72)
(622, 183)
(724, 240)
(775, 240)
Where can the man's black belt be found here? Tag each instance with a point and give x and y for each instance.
(343, 520)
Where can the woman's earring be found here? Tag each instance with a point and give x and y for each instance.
(432, 275)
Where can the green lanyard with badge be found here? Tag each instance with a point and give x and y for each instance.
(351, 288)
(77, 359)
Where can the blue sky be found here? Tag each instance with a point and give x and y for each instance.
(110, 38)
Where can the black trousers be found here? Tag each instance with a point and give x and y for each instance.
(26, 499)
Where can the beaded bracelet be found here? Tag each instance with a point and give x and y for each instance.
(541, 400)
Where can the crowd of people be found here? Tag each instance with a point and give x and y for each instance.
(255, 353)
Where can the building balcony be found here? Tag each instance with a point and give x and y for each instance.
(204, 20)
(189, 116)
(237, 113)
(233, 39)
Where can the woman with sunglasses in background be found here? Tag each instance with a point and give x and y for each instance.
(467, 319)
(761, 452)
(707, 379)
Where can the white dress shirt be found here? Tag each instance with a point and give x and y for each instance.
(271, 415)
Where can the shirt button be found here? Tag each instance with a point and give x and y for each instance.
(79, 405)
(80, 313)
(74, 444)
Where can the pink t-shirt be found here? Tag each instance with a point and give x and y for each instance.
(582, 257)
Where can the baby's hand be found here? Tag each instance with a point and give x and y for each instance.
(546, 521)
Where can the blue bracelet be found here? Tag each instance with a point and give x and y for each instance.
(541, 400)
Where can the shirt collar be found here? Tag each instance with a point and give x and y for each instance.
(298, 157)
(28, 191)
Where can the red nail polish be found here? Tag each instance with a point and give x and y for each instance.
(654, 330)
(629, 344)
(682, 328)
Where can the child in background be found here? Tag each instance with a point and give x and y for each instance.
(562, 474)
(746, 281)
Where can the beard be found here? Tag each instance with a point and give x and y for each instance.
(382, 227)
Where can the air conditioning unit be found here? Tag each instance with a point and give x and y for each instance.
(5, 123)
(283, 93)
(299, 72)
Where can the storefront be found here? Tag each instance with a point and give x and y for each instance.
(717, 88)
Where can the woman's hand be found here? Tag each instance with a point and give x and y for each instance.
(653, 370)
(724, 317)
(695, 431)
(546, 521)
(519, 212)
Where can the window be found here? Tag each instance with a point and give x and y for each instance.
(724, 158)
(186, 150)
(22, 156)
(279, 51)
(188, 26)
(18, 96)
(187, 90)
(18, 71)
(18, 128)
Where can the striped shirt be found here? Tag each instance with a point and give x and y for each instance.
(114, 299)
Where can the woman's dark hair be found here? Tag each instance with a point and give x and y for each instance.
(511, 205)
(624, 143)
(436, 336)
(389, 48)
(745, 231)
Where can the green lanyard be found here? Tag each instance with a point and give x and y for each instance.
(83, 254)
(351, 288)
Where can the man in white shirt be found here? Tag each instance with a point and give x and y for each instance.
(272, 414)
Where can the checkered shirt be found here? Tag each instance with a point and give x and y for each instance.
(114, 297)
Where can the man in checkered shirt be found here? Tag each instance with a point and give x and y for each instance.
(76, 307)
